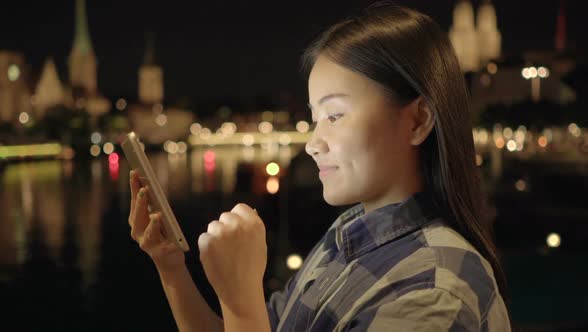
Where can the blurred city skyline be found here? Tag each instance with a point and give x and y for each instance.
(222, 49)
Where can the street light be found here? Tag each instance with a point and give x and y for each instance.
(535, 75)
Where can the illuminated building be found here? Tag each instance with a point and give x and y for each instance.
(49, 91)
(14, 93)
(489, 38)
(150, 77)
(499, 80)
(475, 44)
(153, 122)
(463, 36)
(83, 67)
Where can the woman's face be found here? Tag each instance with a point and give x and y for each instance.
(361, 142)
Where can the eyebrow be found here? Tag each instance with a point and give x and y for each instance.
(328, 97)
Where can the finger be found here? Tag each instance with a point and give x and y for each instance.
(204, 243)
(229, 218)
(245, 212)
(214, 228)
(140, 218)
(135, 186)
(152, 236)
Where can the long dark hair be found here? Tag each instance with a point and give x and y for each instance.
(409, 55)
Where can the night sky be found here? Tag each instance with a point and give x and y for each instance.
(220, 48)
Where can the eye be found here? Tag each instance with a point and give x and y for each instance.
(335, 117)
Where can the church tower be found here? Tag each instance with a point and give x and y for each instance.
(489, 38)
(150, 76)
(82, 68)
(49, 91)
(82, 60)
(463, 36)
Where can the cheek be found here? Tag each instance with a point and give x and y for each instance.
(390, 135)
(384, 146)
(365, 144)
(359, 150)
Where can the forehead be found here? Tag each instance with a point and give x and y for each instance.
(328, 77)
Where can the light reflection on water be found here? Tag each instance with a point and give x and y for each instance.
(66, 255)
(40, 196)
(65, 250)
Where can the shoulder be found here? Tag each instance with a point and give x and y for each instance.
(444, 284)
(434, 257)
(463, 272)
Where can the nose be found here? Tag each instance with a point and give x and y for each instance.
(316, 143)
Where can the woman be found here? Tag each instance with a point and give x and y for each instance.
(392, 134)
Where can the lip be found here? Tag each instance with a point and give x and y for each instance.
(325, 170)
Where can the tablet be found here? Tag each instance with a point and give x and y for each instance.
(157, 200)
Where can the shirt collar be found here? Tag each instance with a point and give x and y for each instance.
(357, 233)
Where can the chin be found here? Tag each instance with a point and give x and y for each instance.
(337, 199)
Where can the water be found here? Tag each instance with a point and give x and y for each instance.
(67, 262)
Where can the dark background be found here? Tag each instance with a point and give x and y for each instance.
(216, 49)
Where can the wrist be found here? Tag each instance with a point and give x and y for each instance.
(249, 315)
(172, 275)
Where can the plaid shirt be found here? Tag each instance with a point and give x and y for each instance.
(398, 268)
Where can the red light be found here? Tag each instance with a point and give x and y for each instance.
(113, 168)
(113, 158)
(209, 156)
(210, 167)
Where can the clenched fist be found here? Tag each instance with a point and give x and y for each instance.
(233, 252)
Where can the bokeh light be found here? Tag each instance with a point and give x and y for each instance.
(294, 262)
(108, 148)
(161, 120)
(272, 185)
(553, 240)
(24, 117)
(96, 138)
(272, 169)
(302, 126)
(95, 150)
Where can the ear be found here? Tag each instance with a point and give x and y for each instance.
(423, 121)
